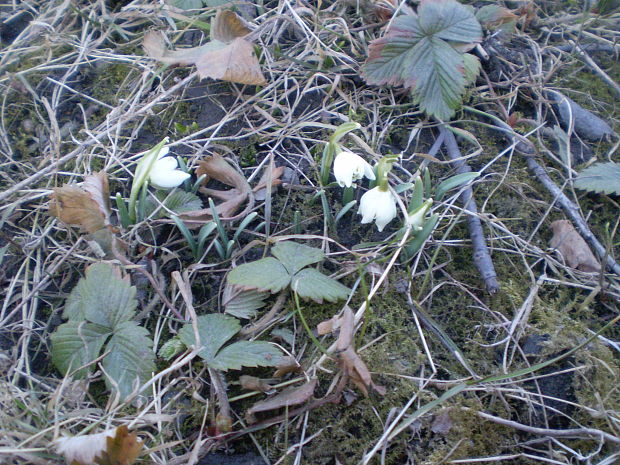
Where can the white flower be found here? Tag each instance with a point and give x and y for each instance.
(84, 449)
(377, 205)
(349, 167)
(415, 219)
(164, 173)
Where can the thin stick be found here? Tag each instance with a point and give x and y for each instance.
(584, 433)
(572, 211)
(482, 258)
(597, 69)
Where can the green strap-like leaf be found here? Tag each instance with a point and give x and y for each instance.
(266, 274)
(247, 354)
(454, 181)
(311, 284)
(214, 331)
(101, 297)
(296, 256)
(75, 344)
(130, 360)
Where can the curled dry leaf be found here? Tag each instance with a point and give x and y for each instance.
(87, 207)
(291, 396)
(328, 326)
(217, 168)
(115, 446)
(228, 26)
(287, 365)
(573, 247)
(228, 56)
(351, 364)
(252, 383)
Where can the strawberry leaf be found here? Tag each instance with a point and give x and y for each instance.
(601, 178)
(424, 52)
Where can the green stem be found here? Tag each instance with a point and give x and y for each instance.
(316, 342)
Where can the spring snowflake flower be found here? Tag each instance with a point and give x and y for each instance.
(349, 167)
(377, 205)
(164, 173)
(415, 219)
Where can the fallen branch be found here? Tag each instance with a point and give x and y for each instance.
(568, 206)
(572, 211)
(579, 433)
(482, 258)
(597, 69)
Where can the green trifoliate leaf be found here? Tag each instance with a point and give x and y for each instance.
(311, 284)
(424, 52)
(601, 178)
(76, 344)
(170, 348)
(131, 360)
(214, 331)
(99, 309)
(243, 304)
(266, 274)
(247, 354)
(169, 204)
(296, 256)
(101, 297)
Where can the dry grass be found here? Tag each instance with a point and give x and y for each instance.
(78, 96)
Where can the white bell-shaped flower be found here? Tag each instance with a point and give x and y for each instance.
(349, 167)
(164, 173)
(415, 219)
(377, 205)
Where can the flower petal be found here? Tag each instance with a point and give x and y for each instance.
(165, 164)
(377, 205)
(163, 152)
(349, 167)
(168, 179)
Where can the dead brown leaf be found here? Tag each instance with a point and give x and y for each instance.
(228, 26)
(573, 247)
(217, 168)
(287, 365)
(328, 326)
(87, 207)
(252, 383)
(112, 447)
(351, 364)
(122, 449)
(228, 56)
(288, 397)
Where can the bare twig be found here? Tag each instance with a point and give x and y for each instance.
(482, 258)
(584, 433)
(597, 69)
(572, 211)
